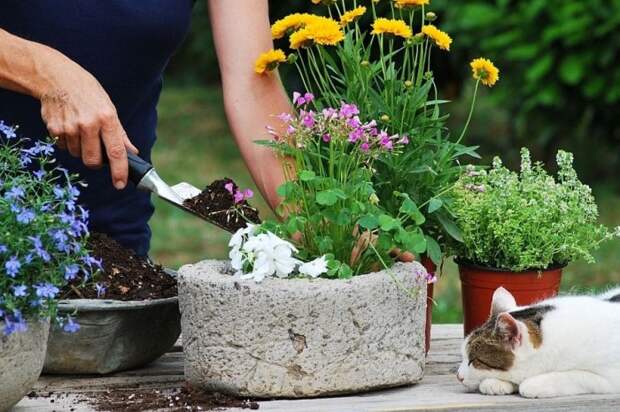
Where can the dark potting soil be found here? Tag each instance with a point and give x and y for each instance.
(218, 204)
(184, 399)
(125, 276)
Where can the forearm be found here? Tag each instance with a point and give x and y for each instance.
(241, 32)
(25, 66)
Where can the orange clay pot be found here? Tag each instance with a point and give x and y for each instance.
(478, 284)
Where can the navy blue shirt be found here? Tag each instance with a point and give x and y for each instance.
(125, 45)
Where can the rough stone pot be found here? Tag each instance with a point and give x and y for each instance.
(21, 360)
(113, 335)
(301, 337)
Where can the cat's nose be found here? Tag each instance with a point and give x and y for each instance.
(459, 377)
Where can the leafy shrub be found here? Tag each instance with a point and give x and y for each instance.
(43, 236)
(526, 220)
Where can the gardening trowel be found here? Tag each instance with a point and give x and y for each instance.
(144, 176)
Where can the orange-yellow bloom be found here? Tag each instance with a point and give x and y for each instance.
(391, 26)
(289, 23)
(352, 15)
(441, 39)
(268, 61)
(319, 30)
(485, 71)
(401, 4)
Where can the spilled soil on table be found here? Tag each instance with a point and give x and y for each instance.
(184, 399)
(216, 203)
(126, 276)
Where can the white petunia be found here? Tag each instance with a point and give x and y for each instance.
(274, 256)
(240, 235)
(314, 268)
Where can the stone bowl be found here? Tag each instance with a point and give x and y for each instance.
(297, 338)
(21, 360)
(113, 336)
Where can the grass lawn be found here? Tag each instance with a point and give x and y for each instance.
(195, 145)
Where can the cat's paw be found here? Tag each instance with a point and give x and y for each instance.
(537, 388)
(496, 387)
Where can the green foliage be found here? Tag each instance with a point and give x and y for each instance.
(560, 74)
(526, 220)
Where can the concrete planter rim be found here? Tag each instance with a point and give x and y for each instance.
(102, 305)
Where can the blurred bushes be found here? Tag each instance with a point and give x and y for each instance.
(559, 82)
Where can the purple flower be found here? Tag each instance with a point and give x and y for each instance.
(329, 113)
(46, 290)
(238, 197)
(308, 119)
(327, 138)
(248, 194)
(285, 117)
(26, 216)
(348, 110)
(15, 193)
(100, 289)
(354, 122)
(12, 266)
(71, 326)
(8, 131)
(404, 140)
(229, 187)
(365, 147)
(355, 135)
(71, 271)
(20, 291)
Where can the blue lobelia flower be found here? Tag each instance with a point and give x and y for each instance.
(14, 323)
(92, 261)
(20, 291)
(71, 271)
(39, 249)
(12, 266)
(25, 216)
(28, 258)
(15, 192)
(59, 192)
(3, 249)
(46, 290)
(71, 326)
(39, 174)
(100, 289)
(8, 131)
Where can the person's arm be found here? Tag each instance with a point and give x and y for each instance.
(241, 33)
(74, 106)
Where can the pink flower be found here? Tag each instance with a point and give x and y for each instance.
(370, 125)
(355, 135)
(229, 187)
(348, 110)
(300, 100)
(290, 129)
(285, 117)
(354, 122)
(308, 97)
(308, 119)
(327, 138)
(248, 194)
(296, 97)
(272, 132)
(404, 140)
(238, 196)
(365, 147)
(330, 113)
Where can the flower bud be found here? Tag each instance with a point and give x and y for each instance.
(430, 16)
(373, 199)
(428, 75)
(385, 118)
(292, 58)
(365, 63)
(408, 84)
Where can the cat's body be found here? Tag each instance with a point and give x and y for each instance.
(558, 347)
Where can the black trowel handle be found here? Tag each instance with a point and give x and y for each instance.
(138, 167)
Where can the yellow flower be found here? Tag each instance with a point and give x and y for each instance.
(401, 4)
(268, 61)
(352, 15)
(391, 26)
(485, 71)
(291, 22)
(441, 39)
(319, 30)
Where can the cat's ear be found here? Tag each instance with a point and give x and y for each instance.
(507, 328)
(503, 301)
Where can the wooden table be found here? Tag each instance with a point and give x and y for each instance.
(438, 391)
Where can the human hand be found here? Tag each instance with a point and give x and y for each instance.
(79, 113)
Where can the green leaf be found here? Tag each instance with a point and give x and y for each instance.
(345, 271)
(433, 250)
(326, 198)
(286, 189)
(411, 209)
(388, 223)
(572, 69)
(369, 222)
(451, 228)
(306, 175)
(434, 205)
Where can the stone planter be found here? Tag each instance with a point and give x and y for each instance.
(301, 337)
(113, 335)
(21, 361)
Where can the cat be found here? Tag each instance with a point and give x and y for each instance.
(557, 347)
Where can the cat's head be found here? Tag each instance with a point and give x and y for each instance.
(492, 350)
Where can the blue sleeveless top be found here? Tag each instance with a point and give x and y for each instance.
(125, 45)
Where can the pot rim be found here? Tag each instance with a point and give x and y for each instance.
(471, 265)
(101, 305)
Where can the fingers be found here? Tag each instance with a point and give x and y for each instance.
(114, 138)
(130, 147)
(91, 146)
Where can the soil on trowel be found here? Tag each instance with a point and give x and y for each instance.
(126, 276)
(217, 204)
(184, 399)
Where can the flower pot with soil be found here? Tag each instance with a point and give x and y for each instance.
(129, 318)
(519, 230)
(314, 304)
(43, 233)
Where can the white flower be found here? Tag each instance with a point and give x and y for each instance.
(314, 268)
(274, 256)
(240, 235)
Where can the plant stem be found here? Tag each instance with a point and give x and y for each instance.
(471, 111)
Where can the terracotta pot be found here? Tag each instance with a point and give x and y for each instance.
(430, 268)
(478, 284)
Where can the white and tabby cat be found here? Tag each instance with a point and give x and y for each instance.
(558, 347)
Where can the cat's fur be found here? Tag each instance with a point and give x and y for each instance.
(561, 346)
